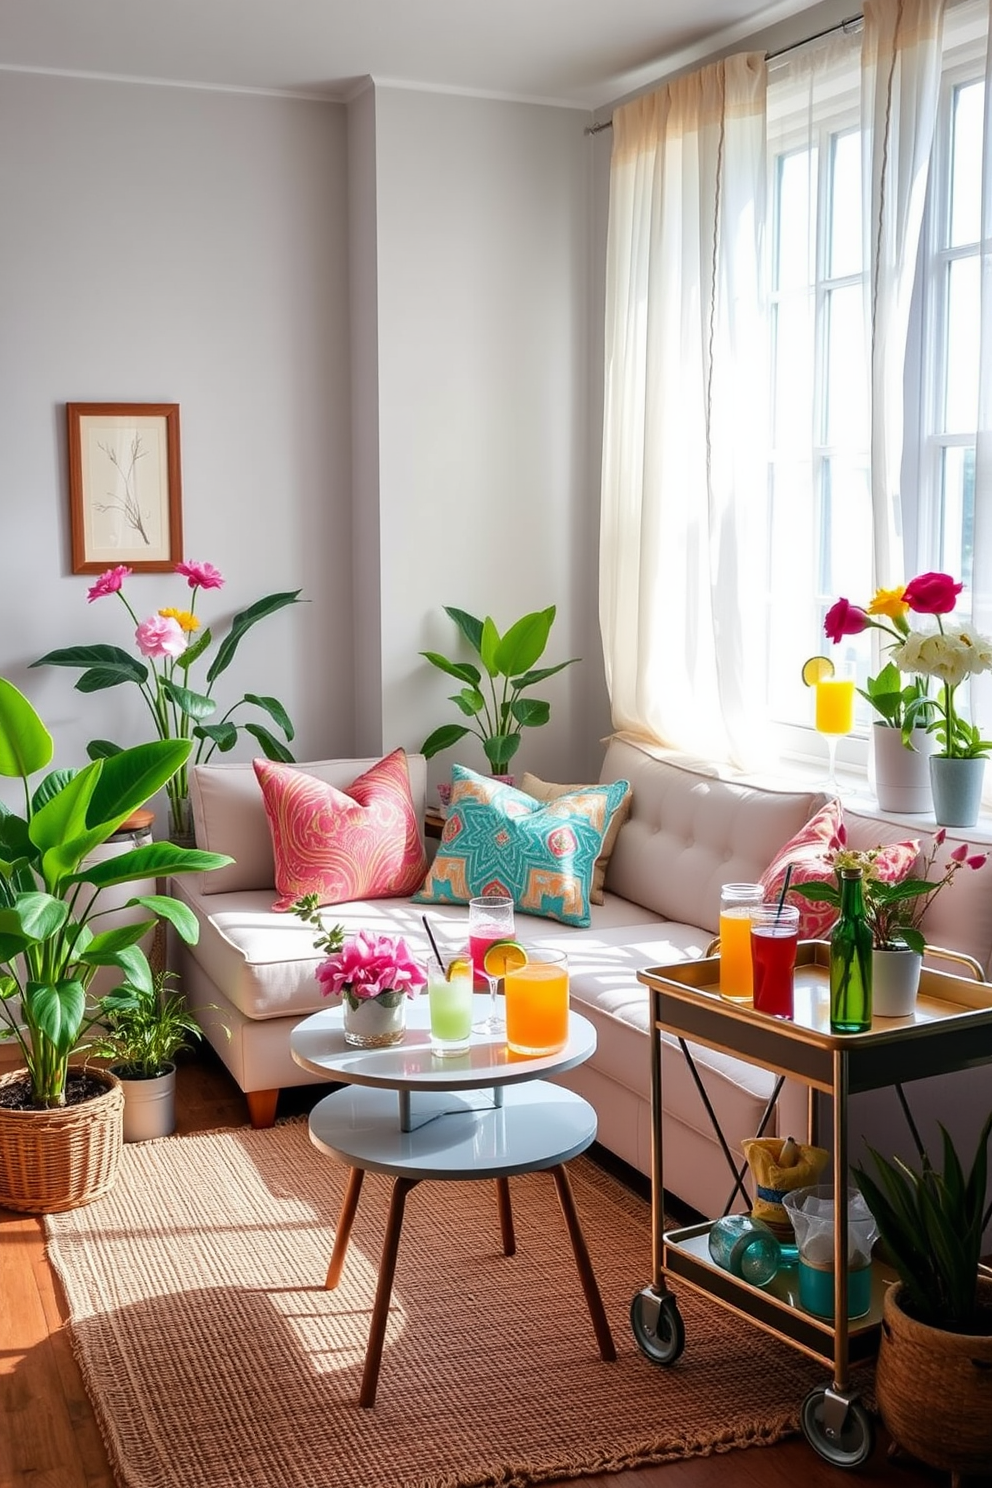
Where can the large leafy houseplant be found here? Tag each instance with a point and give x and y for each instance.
(492, 693)
(170, 644)
(51, 944)
(931, 1224)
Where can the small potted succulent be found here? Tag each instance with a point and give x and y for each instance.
(144, 1028)
(935, 1356)
(491, 695)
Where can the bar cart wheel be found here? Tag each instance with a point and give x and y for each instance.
(658, 1327)
(837, 1427)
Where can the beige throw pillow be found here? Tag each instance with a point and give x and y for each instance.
(544, 790)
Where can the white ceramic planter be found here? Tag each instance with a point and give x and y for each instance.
(373, 1026)
(900, 777)
(895, 981)
(149, 1106)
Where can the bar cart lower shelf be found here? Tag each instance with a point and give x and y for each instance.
(950, 1030)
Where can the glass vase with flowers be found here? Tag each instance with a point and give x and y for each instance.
(169, 642)
(373, 975)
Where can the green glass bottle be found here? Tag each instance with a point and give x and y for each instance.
(850, 959)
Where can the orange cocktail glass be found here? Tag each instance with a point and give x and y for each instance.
(537, 1004)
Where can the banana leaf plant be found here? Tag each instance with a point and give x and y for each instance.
(491, 695)
(51, 942)
(171, 641)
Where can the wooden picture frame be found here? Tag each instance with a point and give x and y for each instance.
(125, 496)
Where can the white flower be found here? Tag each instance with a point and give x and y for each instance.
(950, 656)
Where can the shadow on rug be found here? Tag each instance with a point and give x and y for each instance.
(215, 1358)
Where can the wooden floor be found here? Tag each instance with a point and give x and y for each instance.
(49, 1437)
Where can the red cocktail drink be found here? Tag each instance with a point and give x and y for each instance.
(774, 936)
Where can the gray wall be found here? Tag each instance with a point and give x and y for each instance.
(406, 281)
(178, 245)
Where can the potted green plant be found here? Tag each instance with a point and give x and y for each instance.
(491, 696)
(935, 1357)
(52, 944)
(171, 641)
(895, 912)
(142, 1030)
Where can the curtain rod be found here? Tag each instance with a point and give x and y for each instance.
(848, 25)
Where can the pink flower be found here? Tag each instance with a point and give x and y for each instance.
(960, 853)
(978, 861)
(369, 964)
(108, 583)
(932, 594)
(200, 575)
(160, 635)
(938, 837)
(844, 619)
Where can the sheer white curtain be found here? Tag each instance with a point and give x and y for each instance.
(900, 80)
(682, 593)
(981, 687)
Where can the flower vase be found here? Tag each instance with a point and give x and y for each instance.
(376, 1022)
(900, 777)
(957, 789)
(895, 981)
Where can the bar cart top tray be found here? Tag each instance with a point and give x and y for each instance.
(951, 1027)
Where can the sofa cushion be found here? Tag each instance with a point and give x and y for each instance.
(807, 855)
(544, 790)
(689, 832)
(360, 842)
(499, 840)
(229, 815)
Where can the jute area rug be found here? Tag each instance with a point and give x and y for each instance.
(215, 1358)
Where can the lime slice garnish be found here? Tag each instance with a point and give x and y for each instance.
(817, 669)
(457, 966)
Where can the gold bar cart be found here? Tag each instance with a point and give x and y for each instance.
(951, 1030)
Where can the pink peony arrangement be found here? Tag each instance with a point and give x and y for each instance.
(171, 641)
(368, 966)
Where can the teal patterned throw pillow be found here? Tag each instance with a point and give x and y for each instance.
(540, 853)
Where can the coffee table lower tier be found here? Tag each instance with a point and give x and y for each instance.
(455, 1137)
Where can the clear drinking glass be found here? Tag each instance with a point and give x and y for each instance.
(449, 990)
(490, 918)
(537, 1004)
(774, 938)
(736, 902)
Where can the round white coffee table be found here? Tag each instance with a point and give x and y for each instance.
(414, 1115)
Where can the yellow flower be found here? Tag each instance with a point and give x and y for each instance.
(889, 602)
(187, 621)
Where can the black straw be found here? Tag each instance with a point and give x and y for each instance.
(430, 937)
(785, 890)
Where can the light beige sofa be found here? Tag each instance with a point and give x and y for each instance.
(250, 978)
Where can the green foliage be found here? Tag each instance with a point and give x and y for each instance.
(50, 949)
(902, 707)
(932, 1225)
(307, 908)
(144, 1028)
(494, 703)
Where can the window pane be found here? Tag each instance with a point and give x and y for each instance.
(847, 394)
(796, 233)
(845, 530)
(845, 206)
(792, 408)
(966, 164)
(963, 335)
(958, 511)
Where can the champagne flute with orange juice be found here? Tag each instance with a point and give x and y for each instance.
(834, 715)
(736, 902)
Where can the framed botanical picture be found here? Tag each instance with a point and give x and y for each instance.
(125, 497)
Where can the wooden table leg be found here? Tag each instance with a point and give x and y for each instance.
(343, 1232)
(597, 1312)
(505, 1216)
(383, 1291)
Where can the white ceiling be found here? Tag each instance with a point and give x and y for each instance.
(580, 52)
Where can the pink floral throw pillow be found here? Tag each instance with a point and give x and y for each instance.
(360, 843)
(807, 852)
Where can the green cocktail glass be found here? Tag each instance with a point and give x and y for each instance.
(449, 990)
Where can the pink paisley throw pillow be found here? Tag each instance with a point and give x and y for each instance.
(807, 852)
(360, 843)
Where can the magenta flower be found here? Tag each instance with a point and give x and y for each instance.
(960, 853)
(369, 965)
(108, 583)
(844, 619)
(938, 837)
(160, 635)
(932, 594)
(978, 861)
(200, 575)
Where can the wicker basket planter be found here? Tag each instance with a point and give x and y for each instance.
(60, 1159)
(934, 1389)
